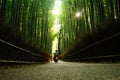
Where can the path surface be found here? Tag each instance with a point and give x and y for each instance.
(62, 71)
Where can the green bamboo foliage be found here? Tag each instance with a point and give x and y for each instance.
(32, 19)
(28, 19)
(94, 15)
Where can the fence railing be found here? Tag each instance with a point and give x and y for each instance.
(96, 48)
(12, 53)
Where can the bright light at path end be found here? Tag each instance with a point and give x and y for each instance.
(54, 45)
(58, 2)
(56, 28)
(56, 21)
(56, 10)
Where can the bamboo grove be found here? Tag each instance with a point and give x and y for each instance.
(94, 15)
(32, 20)
(28, 19)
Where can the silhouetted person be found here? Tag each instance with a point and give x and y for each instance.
(56, 56)
(56, 53)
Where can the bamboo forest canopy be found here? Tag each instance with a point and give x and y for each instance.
(54, 24)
